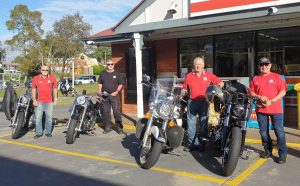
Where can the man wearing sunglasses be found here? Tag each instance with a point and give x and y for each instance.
(111, 81)
(269, 88)
(44, 96)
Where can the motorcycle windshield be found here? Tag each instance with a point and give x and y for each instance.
(166, 89)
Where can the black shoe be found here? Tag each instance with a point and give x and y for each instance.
(37, 136)
(282, 159)
(48, 135)
(106, 130)
(190, 148)
(119, 130)
(266, 154)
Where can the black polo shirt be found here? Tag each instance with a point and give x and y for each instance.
(110, 81)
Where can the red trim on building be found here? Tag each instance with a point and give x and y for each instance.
(219, 4)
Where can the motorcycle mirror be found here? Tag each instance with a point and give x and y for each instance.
(83, 92)
(146, 77)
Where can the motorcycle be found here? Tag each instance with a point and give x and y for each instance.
(24, 113)
(85, 110)
(234, 105)
(65, 87)
(162, 125)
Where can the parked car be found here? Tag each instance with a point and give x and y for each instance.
(85, 80)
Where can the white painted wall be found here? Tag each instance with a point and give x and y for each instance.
(158, 11)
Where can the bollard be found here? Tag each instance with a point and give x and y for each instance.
(297, 88)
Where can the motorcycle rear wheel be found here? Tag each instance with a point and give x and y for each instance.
(149, 156)
(72, 133)
(231, 151)
(17, 130)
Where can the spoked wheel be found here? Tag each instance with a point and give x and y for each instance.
(231, 151)
(17, 129)
(72, 132)
(150, 153)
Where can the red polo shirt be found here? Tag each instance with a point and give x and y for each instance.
(269, 86)
(198, 85)
(44, 88)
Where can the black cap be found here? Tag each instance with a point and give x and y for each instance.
(264, 60)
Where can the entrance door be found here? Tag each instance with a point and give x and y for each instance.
(148, 66)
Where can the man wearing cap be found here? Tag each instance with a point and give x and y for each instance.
(269, 88)
(196, 83)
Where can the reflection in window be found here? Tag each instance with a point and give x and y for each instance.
(233, 54)
(283, 48)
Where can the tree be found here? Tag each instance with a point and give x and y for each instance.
(98, 69)
(2, 52)
(66, 37)
(27, 25)
(101, 53)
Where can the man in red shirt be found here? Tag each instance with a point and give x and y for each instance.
(269, 88)
(196, 83)
(44, 95)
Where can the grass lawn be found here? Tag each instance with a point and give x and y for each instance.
(63, 100)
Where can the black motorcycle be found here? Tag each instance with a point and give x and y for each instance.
(234, 106)
(65, 87)
(162, 125)
(24, 113)
(85, 111)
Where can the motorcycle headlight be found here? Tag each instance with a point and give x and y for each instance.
(164, 110)
(24, 100)
(80, 100)
(239, 110)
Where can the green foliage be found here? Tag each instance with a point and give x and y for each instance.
(30, 63)
(27, 26)
(101, 53)
(1, 70)
(98, 69)
(65, 39)
(2, 52)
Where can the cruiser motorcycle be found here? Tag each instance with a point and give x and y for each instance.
(24, 113)
(85, 110)
(162, 125)
(234, 106)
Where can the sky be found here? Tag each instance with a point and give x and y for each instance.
(101, 14)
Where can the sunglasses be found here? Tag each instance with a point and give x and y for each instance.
(109, 64)
(45, 70)
(264, 64)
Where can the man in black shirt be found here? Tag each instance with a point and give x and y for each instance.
(111, 81)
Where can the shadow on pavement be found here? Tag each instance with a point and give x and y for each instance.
(131, 143)
(15, 173)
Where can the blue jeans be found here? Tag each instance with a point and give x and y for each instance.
(263, 121)
(48, 109)
(197, 107)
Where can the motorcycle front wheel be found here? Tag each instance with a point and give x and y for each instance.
(149, 155)
(231, 151)
(17, 130)
(72, 133)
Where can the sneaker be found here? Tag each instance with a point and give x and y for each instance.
(48, 135)
(282, 159)
(266, 154)
(37, 136)
(106, 130)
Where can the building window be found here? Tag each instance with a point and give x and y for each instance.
(193, 47)
(283, 48)
(233, 54)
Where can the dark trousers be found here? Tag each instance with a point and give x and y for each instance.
(263, 121)
(114, 103)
